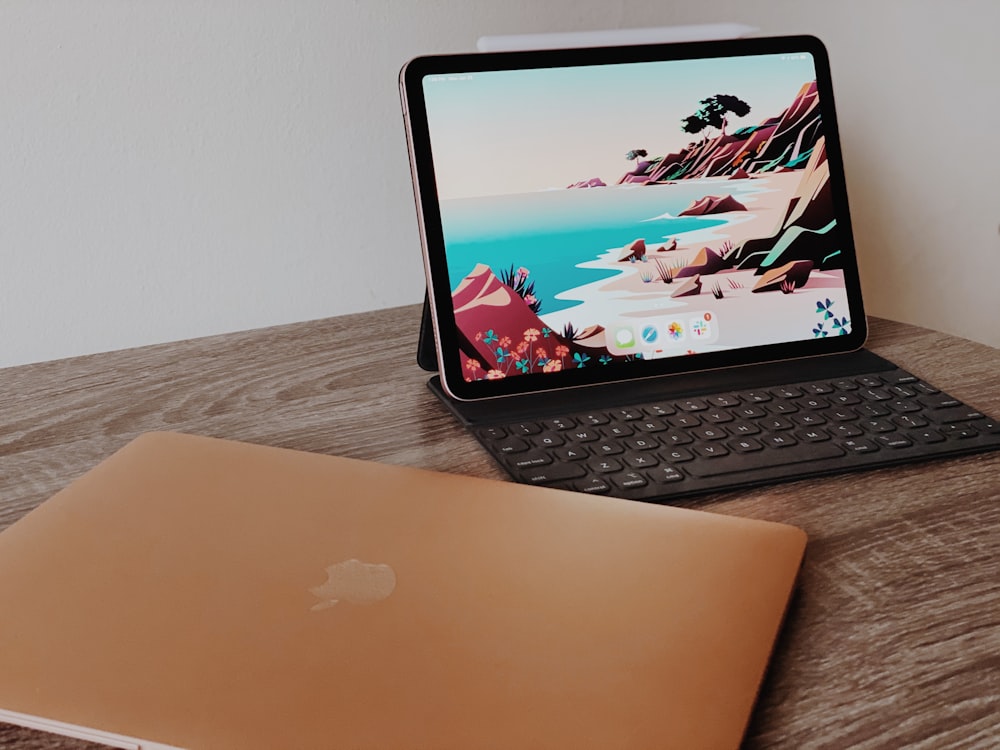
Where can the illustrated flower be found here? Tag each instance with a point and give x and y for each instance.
(540, 352)
(581, 358)
(553, 365)
(604, 359)
(495, 375)
(818, 331)
(532, 334)
(530, 299)
(501, 355)
(522, 365)
(479, 335)
(546, 331)
(523, 272)
(491, 337)
(561, 350)
(523, 347)
(472, 364)
(505, 341)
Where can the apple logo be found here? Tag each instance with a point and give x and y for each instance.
(355, 582)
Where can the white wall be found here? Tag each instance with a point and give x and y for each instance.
(176, 169)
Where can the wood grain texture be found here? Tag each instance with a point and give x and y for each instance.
(893, 638)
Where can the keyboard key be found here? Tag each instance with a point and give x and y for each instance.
(904, 405)
(845, 399)
(677, 455)
(529, 460)
(910, 420)
(757, 397)
(879, 425)
(960, 431)
(691, 404)
(960, 413)
(779, 441)
(641, 444)
(813, 402)
(493, 433)
(708, 433)
(609, 449)
(903, 391)
(618, 430)
(859, 445)
(573, 453)
(783, 407)
(524, 428)
(724, 400)
(819, 389)
(809, 419)
(584, 436)
(847, 430)
(677, 438)
(593, 486)
(745, 445)
(787, 391)
(894, 441)
(605, 466)
(547, 440)
(626, 414)
(559, 423)
(926, 436)
(512, 445)
(845, 385)
(743, 462)
(713, 450)
(641, 460)
(665, 475)
(718, 416)
(870, 381)
(873, 410)
(751, 412)
(926, 388)
(875, 394)
(660, 410)
(685, 420)
(594, 419)
(776, 423)
(812, 435)
(744, 428)
(552, 473)
(651, 425)
(940, 401)
(629, 480)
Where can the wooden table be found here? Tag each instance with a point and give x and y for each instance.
(893, 638)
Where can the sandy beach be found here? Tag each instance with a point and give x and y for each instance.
(638, 293)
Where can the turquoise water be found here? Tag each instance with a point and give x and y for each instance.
(550, 232)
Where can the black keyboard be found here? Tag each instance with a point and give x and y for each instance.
(684, 446)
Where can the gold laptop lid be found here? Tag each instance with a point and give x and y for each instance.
(206, 593)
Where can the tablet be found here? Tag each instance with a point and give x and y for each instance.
(598, 215)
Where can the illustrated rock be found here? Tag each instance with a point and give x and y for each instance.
(796, 272)
(591, 183)
(635, 251)
(688, 288)
(739, 174)
(713, 204)
(706, 262)
(667, 248)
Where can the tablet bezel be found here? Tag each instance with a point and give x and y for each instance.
(432, 240)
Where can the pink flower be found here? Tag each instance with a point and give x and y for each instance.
(472, 364)
(505, 342)
(540, 352)
(532, 334)
(562, 351)
(530, 299)
(495, 375)
(553, 365)
(523, 347)
(523, 272)
(479, 336)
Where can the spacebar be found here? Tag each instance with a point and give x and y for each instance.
(734, 462)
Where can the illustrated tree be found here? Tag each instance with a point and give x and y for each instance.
(636, 154)
(714, 112)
